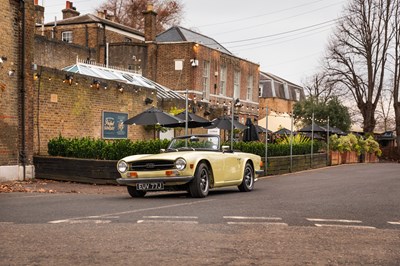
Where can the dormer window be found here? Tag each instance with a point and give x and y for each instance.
(66, 36)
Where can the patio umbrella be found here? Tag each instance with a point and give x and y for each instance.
(309, 128)
(153, 116)
(316, 135)
(337, 131)
(224, 122)
(261, 129)
(250, 133)
(283, 131)
(193, 120)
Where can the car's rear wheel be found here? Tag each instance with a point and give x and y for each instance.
(135, 193)
(200, 185)
(248, 179)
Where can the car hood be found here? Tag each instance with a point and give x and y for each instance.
(165, 155)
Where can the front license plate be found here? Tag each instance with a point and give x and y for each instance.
(150, 186)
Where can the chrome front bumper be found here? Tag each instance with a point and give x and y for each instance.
(165, 180)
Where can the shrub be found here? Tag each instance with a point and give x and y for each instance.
(102, 149)
(91, 148)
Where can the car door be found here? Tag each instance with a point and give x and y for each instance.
(231, 166)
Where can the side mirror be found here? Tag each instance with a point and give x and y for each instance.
(162, 150)
(225, 148)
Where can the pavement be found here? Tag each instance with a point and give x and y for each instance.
(52, 186)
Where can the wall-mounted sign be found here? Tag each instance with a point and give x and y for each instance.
(112, 125)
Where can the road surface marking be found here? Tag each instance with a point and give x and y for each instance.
(394, 223)
(345, 226)
(333, 220)
(81, 221)
(134, 211)
(166, 221)
(251, 218)
(170, 217)
(263, 223)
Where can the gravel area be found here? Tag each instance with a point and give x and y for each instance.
(51, 186)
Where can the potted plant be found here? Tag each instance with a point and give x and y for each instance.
(335, 148)
(372, 150)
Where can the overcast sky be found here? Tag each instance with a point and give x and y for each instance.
(287, 38)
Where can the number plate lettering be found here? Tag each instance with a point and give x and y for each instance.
(150, 186)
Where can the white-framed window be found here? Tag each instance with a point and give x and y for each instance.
(236, 84)
(249, 94)
(222, 80)
(297, 95)
(273, 91)
(66, 36)
(260, 91)
(206, 79)
(286, 89)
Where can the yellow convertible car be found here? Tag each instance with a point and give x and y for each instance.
(195, 163)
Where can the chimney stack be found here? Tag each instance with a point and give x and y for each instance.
(39, 13)
(70, 10)
(150, 23)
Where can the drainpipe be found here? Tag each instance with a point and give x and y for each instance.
(23, 148)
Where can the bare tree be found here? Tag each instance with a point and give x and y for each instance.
(396, 71)
(321, 88)
(129, 12)
(357, 54)
(384, 113)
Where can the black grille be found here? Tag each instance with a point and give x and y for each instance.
(152, 165)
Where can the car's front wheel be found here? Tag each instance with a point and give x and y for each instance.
(199, 187)
(136, 193)
(248, 179)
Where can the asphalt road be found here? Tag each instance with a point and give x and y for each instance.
(348, 214)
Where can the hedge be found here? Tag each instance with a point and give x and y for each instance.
(91, 148)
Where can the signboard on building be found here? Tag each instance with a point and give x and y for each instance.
(112, 125)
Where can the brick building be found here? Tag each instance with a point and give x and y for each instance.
(279, 95)
(16, 89)
(86, 36)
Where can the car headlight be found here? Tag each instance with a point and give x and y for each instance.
(122, 166)
(180, 164)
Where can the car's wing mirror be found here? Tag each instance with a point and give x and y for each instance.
(225, 148)
(162, 150)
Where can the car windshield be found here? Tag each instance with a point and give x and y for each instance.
(195, 143)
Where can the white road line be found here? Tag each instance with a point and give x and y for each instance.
(394, 223)
(333, 220)
(170, 217)
(251, 218)
(345, 226)
(258, 223)
(166, 221)
(82, 221)
(134, 211)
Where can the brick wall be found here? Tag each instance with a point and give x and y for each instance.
(76, 110)
(86, 35)
(54, 53)
(16, 130)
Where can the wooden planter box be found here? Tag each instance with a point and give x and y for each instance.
(76, 170)
(349, 157)
(335, 158)
(371, 158)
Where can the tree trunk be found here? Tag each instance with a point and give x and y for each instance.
(368, 113)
